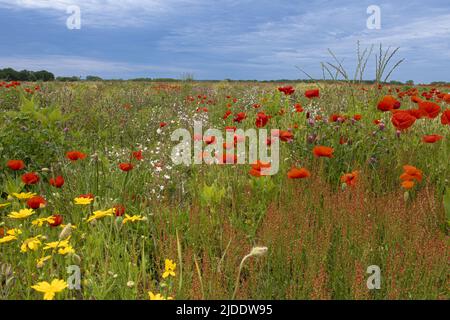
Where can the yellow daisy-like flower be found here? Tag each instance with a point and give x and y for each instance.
(22, 214)
(40, 222)
(40, 262)
(24, 195)
(14, 232)
(83, 201)
(134, 218)
(157, 296)
(57, 244)
(96, 215)
(31, 244)
(3, 205)
(66, 250)
(49, 289)
(6, 239)
(169, 268)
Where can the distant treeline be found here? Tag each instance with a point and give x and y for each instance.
(9, 74)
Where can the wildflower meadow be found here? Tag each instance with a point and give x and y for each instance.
(93, 205)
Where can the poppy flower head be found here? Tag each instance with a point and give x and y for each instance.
(126, 167)
(388, 103)
(119, 210)
(258, 168)
(36, 202)
(261, 119)
(350, 179)
(57, 220)
(75, 155)
(30, 178)
(287, 90)
(15, 165)
(296, 173)
(445, 118)
(138, 155)
(402, 120)
(313, 93)
(322, 151)
(432, 138)
(57, 182)
(286, 136)
(239, 117)
(411, 173)
(431, 109)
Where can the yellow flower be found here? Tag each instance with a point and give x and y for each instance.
(40, 222)
(134, 218)
(14, 232)
(31, 244)
(22, 214)
(100, 214)
(24, 195)
(66, 250)
(41, 261)
(49, 289)
(6, 239)
(83, 201)
(157, 296)
(57, 244)
(169, 268)
(3, 205)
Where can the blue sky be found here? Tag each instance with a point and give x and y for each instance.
(218, 39)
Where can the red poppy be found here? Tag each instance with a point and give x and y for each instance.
(287, 90)
(416, 99)
(350, 179)
(239, 117)
(296, 173)
(126, 167)
(261, 119)
(227, 114)
(119, 210)
(298, 107)
(162, 124)
(57, 220)
(432, 138)
(445, 119)
(36, 202)
(86, 196)
(411, 173)
(138, 155)
(314, 93)
(286, 136)
(209, 140)
(322, 151)
(388, 103)
(75, 155)
(417, 113)
(258, 167)
(15, 165)
(228, 128)
(432, 109)
(30, 178)
(57, 182)
(402, 120)
(357, 117)
(446, 97)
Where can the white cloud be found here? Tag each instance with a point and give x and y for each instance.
(117, 13)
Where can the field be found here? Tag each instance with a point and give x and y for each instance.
(93, 207)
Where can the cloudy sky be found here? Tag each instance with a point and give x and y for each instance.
(218, 39)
